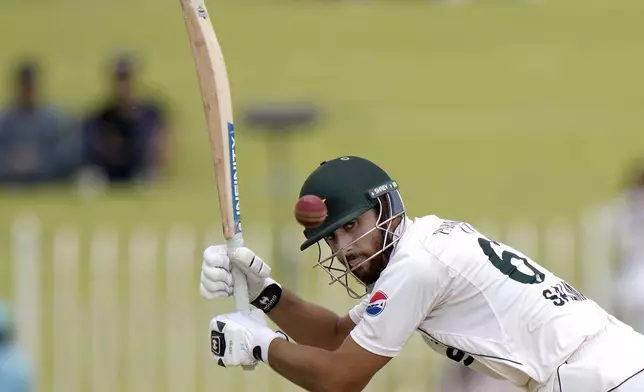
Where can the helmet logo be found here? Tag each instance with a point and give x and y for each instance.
(382, 189)
(344, 158)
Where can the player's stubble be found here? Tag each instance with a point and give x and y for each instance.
(369, 272)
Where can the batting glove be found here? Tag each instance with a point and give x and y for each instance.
(240, 339)
(217, 279)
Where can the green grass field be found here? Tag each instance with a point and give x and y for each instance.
(499, 109)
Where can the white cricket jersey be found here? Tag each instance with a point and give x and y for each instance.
(476, 301)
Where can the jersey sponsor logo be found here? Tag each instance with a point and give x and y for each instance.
(377, 304)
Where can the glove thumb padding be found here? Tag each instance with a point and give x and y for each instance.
(252, 264)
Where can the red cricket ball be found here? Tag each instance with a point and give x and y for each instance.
(310, 211)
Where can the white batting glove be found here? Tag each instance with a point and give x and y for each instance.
(217, 280)
(239, 339)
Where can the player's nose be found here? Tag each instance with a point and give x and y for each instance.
(341, 242)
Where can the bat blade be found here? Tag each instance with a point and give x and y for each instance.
(217, 105)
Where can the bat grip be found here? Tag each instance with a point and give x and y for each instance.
(241, 284)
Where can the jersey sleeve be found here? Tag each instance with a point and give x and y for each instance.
(357, 312)
(401, 299)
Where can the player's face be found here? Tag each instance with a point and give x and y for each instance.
(358, 247)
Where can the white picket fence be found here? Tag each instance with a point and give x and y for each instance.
(109, 310)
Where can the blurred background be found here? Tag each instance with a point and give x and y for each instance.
(523, 118)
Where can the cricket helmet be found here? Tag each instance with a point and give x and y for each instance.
(350, 186)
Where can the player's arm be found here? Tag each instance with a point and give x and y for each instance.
(303, 321)
(408, 292)
(310, 324)
(347, 369)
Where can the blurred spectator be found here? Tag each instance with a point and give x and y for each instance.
(125, 138)
(629, 293)
(15, 372)
(36, 142)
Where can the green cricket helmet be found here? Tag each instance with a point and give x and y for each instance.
(350, 186)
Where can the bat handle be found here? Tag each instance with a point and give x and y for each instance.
(241, 284)
(241, 290)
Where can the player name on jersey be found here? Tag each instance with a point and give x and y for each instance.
(561, 293)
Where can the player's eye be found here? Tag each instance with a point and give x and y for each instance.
(350, 225)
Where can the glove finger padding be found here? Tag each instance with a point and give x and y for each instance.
(208, 294)
(213, 285)
(250, 263)
(216, 278)
(217, 256)
(215, 274)
(218, 281)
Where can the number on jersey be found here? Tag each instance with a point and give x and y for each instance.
(459, 356)
(517, 268)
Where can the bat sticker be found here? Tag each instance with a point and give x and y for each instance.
(233, 177)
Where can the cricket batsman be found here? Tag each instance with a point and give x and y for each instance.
(474, 300)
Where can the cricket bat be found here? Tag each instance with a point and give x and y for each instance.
(215, 94)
